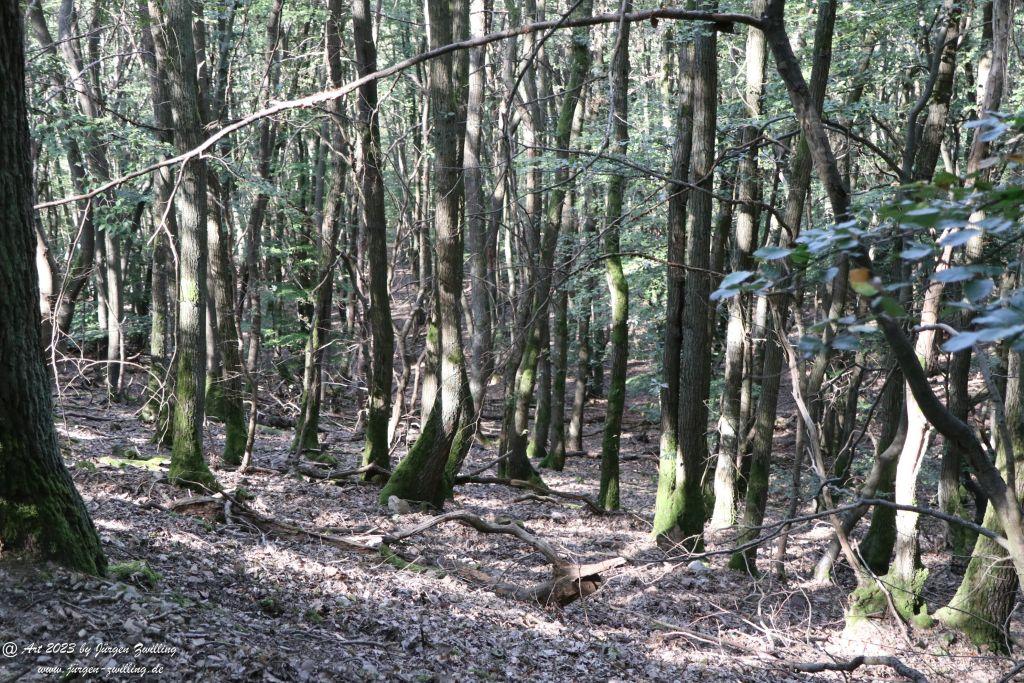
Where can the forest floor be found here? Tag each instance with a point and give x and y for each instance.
(226, 601)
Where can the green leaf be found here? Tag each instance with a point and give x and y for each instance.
(954, 274)
(772, 253)
(958, 238)
(976, 290)
(864, 288)
(892, 307)
(735, 278)
(916, 251)
(960, 341)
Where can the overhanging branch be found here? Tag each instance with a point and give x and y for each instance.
(722, 21)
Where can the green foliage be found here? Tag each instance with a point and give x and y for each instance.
(136, 572)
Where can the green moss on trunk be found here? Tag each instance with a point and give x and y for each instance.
(869, 600)
(679, 511)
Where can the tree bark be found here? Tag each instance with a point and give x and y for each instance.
(40, 509)
(428, 471)
(375, 222)
(175, 50)
(618, 287)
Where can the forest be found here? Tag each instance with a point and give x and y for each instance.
(545, 340)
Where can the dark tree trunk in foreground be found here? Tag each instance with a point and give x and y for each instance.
(40, 509)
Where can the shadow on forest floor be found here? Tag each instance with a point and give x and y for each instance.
(231, 604)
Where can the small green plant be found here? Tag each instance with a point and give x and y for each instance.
(136, 572)
(271, 607)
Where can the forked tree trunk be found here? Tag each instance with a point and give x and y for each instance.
(680, 513)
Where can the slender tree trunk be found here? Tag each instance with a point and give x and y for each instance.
(428, 471)
(618, 288)
(229, 382)
(158, 407)
(680, 509)
(84, 230)
(587, 229)
(730, 425)
(482, 356)
(375, 221)
(107, 256)
(176, 52)
(673, 508)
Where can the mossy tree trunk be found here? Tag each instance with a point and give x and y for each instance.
(382, 333)
(229, 381)
(427, 471)
(672, 496)
(176, 52)
(987, 594)
(541, 272)
(618, 288)
(680, 507)
(582, 303)
(40, 509)
(158, 406)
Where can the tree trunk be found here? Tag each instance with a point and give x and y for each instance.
(428, 471)
(482, 356)
(730, 425)
(674, 507)
(618, 288)
(40, 509)
(987, 594)
(680, 509)
(176, 52)
(375, 222)
(158, 407)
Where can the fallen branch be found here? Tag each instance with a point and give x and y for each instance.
(1009, 675)
(857, 662)
(569, 581)
(312, 470)
(483, 468)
